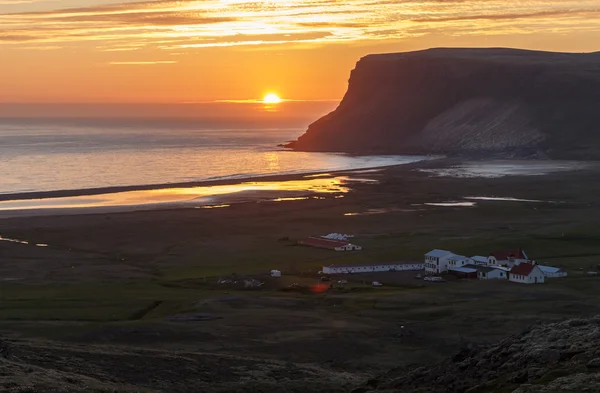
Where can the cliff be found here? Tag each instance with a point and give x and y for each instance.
(549, 358)
(475, 101)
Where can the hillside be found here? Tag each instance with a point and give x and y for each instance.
(509, 102)
(557, 357)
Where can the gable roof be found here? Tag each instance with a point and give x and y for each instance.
(438, 253)
(506, 254)
(549, 269)
(523, 269)
(480, 259)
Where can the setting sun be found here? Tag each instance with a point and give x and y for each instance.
(271, 98)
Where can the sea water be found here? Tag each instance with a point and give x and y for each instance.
(72, 154)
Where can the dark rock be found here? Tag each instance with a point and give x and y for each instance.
(508, 102)
(594, 363)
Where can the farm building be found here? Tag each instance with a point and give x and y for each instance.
(458, 261)
(507, 258)
(526, 273)
(372, 267)
(463, 271)
(337, 245)
(550, 271)
(436, 261)
(479, 260)
(491, 273)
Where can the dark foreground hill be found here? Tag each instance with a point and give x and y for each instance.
(511, 102)
(558, 357)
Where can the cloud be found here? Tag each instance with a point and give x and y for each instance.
(174, 24)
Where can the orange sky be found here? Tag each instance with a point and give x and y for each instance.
(207, 50)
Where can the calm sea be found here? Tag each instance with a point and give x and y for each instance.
(59, 154)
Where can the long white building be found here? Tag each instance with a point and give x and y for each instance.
(372, 267)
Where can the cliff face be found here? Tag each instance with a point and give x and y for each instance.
(513, 102)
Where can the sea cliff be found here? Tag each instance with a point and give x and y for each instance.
(493, 101)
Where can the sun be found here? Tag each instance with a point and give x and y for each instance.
(271, 98)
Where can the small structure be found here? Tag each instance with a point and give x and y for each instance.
(491, 273)
(372, 267)
(275, 273)
(458, 261)
(436, 261)
(337, 245)
(479, 260)
(526, 273)
(507, 258)
(463, 272)
(550, 271)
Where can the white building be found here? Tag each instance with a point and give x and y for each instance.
(491, 273)
(275, 273)
(372, 267)
(526, 273)
(550, 271)
(458, 261)
(507, 258)
(436, 261)
(479, 260)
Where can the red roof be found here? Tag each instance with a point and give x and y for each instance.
(523, 269)
(506, 255)
(321, 242)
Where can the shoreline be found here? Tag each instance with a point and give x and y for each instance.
(40, 195)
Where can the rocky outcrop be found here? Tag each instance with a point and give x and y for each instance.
(558, 357)
(500, 101)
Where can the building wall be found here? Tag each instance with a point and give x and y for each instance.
(535, 273)
(374, 268)
(437, 264)
(495, 274)
(492, 261)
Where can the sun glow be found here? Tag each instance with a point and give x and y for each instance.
(271, 98)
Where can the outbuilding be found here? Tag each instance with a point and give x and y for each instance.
(373, 267)
(550, 271)
(463, 272)
(491, 273)
(526, 273)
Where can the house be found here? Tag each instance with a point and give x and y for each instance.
(436, 261)
(491, 273)
(337, 245)
(275, 273)
(550, 271)
(458, 261)
(372, 267)
(479, 260)
(508, 258)
(526, 273)
(463, 272)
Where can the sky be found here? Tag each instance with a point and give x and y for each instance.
(193, 51)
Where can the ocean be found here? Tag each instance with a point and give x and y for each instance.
(72, 154)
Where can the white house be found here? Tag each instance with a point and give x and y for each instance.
(507, 258)
(491, 273)
(275, 273)
(372, 267)
(458, 261)
(526, 273)
(436, 261)
(479, 260)
(550, 271)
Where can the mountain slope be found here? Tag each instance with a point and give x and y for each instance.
(514, 102)
(557, 357)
